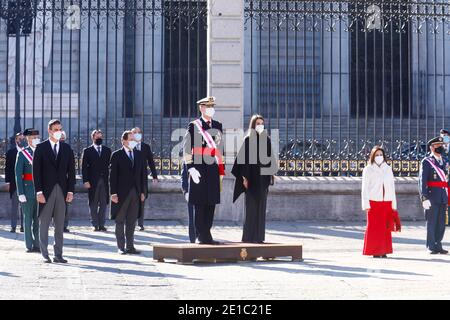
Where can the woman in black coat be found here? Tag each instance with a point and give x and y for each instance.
(254, 168)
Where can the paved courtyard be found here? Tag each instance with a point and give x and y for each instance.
(333, 267)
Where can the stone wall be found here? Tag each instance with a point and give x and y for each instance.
(290, 199)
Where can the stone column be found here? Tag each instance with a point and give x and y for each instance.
(226, 82)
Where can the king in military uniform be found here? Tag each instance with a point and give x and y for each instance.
(204, 161)
(25, 190)
(433, 186)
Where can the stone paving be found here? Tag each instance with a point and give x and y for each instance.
(333, 267)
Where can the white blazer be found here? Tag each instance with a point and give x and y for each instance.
(373, 180)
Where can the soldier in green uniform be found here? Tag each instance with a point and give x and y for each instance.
(26, 192)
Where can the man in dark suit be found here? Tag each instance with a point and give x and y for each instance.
(68, 205)
(95, 164)
(149, 163)
(127, 185)
(54, 182)
(10, 179)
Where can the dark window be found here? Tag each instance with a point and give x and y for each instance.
(184, 57)
(370, 86)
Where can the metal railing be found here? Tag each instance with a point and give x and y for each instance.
(338, 77)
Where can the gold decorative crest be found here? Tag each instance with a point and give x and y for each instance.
(244, 254)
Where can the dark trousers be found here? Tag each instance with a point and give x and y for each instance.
(191, 222)
(255, 217)
(126, 220)
(68, 213)
(97, 206)
(141, 212)
(16, 211)
(435, 226)
(204, 216)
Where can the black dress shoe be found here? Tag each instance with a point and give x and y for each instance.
(133, 251)
(47, 259)
(36, 249)
(29, 250)
(434, 252)
(66, 230)
(377, 256)
(121, 251)
(103, 229)
(443, 251)
(59, 260)
(13, 230)
(96, 229)
(384, 256)
(141, 228)
(21, 229)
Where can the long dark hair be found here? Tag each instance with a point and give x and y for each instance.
(252, 123)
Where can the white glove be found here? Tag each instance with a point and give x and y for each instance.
(22, 198)
(186, 196)
(195, 175)
(426, 204)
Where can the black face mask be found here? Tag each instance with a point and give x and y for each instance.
(439, 150)
(99, 141)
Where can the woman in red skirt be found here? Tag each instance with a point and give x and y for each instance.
(379, 201)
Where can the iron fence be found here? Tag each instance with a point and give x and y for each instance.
(335, 77)
(107, 64)
(338, 77)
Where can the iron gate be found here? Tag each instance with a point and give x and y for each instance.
(335, 77)
(338, 77)
(108, 64)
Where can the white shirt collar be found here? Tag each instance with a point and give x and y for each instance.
(438, 159)
(32, 148)
(206, 121)
(96, 146)
(127, 149)
(53, 143)
(18, 148)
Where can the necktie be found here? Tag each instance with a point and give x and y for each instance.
(208, 123)
(98, 150)
(130, 155)
(55, 151)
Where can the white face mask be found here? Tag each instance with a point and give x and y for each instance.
(210, 112)
(138, 136)
(259, 128)
(132, 144)
(35, 142)
(379, 160)
(57, 135)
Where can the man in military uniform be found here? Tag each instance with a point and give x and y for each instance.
(25, 190)
(433, 186)
(204, 161)
(445, 134)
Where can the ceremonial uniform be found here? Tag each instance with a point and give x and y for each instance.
(25, 187)
(433, 186)
(10, 177)
(202, 147)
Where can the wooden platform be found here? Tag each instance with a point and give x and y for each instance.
(227, 252)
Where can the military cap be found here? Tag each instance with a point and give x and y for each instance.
(208, 101)
(443, 131)
(31, 132)
(435, 140)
